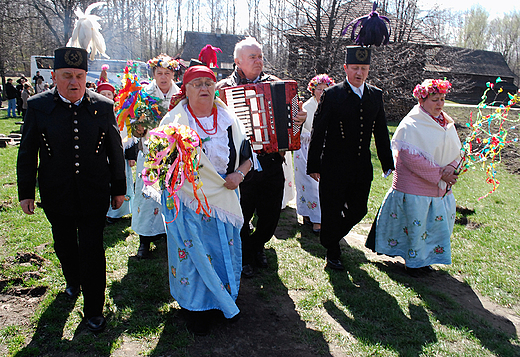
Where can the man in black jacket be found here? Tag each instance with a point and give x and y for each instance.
(74, 135)
(339, 153)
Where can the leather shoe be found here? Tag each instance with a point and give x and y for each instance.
(97, 323)
(111, 220)
(414, 272)
(248, 271)
(261, 259)
(144, 250)
(72, 291)
(427, 269)
(334, 264)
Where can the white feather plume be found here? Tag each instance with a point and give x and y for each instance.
(87, 33)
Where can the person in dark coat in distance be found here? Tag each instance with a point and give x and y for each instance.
(11, 94)
(19, 89)
(339, 153)
(71, 142)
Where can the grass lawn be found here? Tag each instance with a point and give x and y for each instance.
(292, 308)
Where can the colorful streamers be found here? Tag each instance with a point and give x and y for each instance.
(173, 159)
(134, 106)
(488, 136)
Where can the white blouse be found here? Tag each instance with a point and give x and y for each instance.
(216, 146)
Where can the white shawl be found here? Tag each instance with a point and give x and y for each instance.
(224, 203)
(420, 134)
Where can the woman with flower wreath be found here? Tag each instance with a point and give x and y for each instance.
(147, 220)
(204, 248)
(417, 215)
(307, 193)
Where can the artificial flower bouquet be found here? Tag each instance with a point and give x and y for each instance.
(172, 160)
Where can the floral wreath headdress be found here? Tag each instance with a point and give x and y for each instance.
(164, 61)
(319, 79)
(431, 86)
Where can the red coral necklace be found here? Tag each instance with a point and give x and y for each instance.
(211, 131)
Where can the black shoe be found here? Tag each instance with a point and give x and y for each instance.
(248, 271)
(72, 291)
(96, 324)
(414, 272)
(144, 250)
(427, 269)
(198, 322)
(261, 259)
(334, 264)
(235, 318)
(111, 220)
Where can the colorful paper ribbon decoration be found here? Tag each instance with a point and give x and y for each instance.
(488, 137)
(173, 159)
(134, 106)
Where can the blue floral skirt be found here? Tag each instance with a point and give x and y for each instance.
(417, 228)
(205, 260)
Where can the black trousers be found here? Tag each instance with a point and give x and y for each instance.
(343, 205)
(261, 193)
(78, 242)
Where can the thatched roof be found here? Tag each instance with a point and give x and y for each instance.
(471, 62)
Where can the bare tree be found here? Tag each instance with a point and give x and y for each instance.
(505, 35)
(473, 33)
(58, 16)
(441, 24)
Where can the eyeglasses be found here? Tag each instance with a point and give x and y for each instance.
(199, 84)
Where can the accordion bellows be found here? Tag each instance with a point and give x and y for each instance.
(267, 110)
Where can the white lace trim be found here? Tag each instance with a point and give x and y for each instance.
(216, 212)
(217, 147)
(398, 145)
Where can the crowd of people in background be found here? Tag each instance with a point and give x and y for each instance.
(18, 95)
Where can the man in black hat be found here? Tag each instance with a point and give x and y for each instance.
(339, 152)
(74, 135)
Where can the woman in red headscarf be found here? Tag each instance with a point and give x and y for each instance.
(204, 252)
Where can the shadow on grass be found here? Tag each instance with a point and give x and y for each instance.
(48, 336)
(268, 326)
(142, 299)
(118, 231)
(377, 317)
(139, 300)
(455, 304)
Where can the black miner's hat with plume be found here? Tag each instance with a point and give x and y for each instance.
(373, 30)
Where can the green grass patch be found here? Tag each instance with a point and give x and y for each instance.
(370, 310)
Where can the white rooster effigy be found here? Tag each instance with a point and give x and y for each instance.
(87, 33)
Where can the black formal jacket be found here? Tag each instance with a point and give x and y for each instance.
(342, 130)
(81, 162)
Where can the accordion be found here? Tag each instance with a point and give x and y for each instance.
(267, 110)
